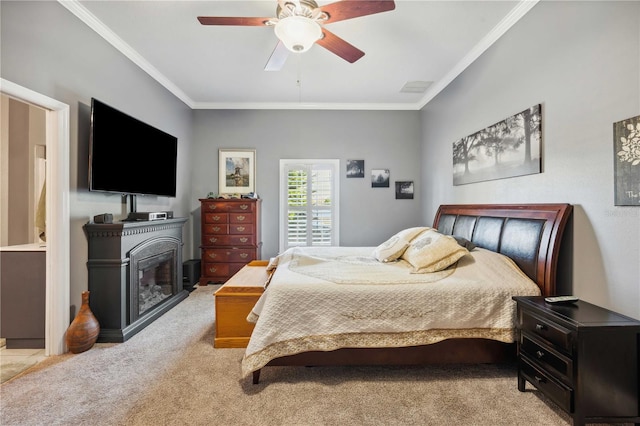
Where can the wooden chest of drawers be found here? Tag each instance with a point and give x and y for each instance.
(230, 237)
(581, 356)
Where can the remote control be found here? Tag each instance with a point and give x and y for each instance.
(561, 299)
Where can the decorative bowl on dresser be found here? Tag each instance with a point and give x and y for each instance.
(583, 357)
(230, 237)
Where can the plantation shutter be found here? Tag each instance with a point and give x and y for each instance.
(309, 210)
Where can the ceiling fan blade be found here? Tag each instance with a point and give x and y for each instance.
(278, 58)
(227, 20)
(336, 45)
(348, 9)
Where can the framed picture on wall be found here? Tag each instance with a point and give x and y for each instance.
(380, 178)
(355, 168)
(404, 190)
(237, 171)
(626, 148)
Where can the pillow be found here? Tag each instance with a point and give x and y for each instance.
(465, 243)
(392, 249)
(432, 251)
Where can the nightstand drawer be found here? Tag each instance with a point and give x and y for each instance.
(547, 330)
(559, 393)
(548, 359)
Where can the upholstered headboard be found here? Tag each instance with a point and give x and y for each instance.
(530, 234)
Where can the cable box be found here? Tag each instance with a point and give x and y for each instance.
(147, 216)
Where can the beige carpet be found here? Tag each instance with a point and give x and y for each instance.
(170, 374)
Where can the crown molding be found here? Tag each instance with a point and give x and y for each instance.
(521, 9)
(105, 32)
(487, 41)
(307, 106)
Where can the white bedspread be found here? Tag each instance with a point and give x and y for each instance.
(322, 299)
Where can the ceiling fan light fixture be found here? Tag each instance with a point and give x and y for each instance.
(298, 33)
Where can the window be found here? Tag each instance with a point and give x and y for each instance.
(309, 194)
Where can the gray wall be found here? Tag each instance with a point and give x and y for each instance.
(581, 61)
(383, 139)
(47, 49)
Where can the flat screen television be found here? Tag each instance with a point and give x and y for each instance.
(128, 156)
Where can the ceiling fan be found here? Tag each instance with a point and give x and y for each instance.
(299, 24)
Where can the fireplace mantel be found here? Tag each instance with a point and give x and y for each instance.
(115, 252)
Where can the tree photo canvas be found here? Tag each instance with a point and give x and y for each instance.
(508, 148)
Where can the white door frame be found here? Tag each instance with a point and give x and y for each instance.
(58, 217)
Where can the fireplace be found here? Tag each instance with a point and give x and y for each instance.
(135, 274)
(153, 274)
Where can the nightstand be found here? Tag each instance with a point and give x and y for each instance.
(581, 356)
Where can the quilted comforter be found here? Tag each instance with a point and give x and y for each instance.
(322, 299)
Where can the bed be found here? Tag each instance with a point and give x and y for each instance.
(343, 306)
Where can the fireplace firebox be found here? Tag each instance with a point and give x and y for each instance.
(135, 274)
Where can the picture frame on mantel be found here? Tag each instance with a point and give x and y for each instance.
(236, 171)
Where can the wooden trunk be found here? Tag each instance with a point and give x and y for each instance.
(234, 301)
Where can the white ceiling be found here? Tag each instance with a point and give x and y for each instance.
(222, 67)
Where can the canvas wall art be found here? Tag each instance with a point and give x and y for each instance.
(380, 178)
(508, 148)
(626, 141)
(355, 168)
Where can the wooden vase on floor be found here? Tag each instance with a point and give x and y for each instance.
(84, 329)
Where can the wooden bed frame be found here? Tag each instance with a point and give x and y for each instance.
(530, 234)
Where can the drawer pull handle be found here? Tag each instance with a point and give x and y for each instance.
(213, 239)
(216, 228)
(241, 217)
(240, 228)
(212, 270)
(212, 206)
(539, 379)
(243, 255)
(541, 327)
(244, 240)
(539, 354)
(213, 255)
(244, 206)
(216, 218)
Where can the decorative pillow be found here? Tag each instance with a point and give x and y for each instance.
(465, 243)
(392, 249)
(432, 251)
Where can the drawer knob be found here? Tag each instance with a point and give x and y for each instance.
(539, 354)
(539, 379)
(244, 206)
(541, 327)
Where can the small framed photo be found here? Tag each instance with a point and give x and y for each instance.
(355, 168)
(404, 190)
(380, 178)
(237, 171)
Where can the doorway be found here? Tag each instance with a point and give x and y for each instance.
(57, 216)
